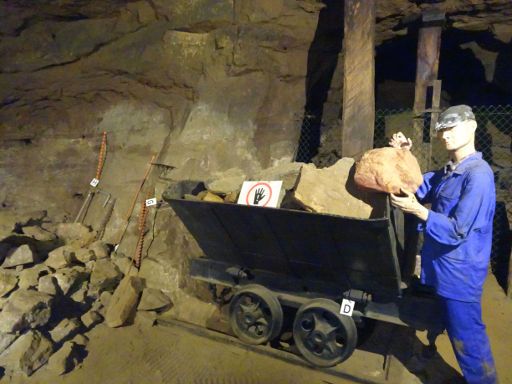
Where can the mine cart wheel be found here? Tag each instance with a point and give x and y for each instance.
(255, 314)
(323, 336)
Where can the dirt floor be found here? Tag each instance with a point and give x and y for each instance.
(174, 352)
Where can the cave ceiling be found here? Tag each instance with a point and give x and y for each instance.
(393, 16)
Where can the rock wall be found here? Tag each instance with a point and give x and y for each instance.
(206, 86)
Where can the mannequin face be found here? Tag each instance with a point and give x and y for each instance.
(458, 137)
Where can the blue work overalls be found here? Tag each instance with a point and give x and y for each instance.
(455, 256)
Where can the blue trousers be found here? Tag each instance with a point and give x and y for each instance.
(463, 321)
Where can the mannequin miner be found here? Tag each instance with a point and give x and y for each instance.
(457, 237)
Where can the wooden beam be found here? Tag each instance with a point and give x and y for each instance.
(358, 78)
(429, 45)
(427, 65)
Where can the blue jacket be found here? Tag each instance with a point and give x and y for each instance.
(458, 231)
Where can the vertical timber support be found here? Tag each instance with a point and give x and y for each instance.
(358, 119)
(429, 46)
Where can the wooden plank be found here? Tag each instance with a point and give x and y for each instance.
(359, 78)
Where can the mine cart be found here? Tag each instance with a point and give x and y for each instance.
(275, 258)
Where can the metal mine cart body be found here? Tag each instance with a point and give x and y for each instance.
(279, 257)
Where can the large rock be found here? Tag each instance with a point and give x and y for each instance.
(20, 256)
(287, 172)
(226, 182)
(75, 233)
(25, 309)
(388, 170)
(70, 279)
(124, 302)
(29, 278)
(95, 251)
(153, 300)
(38, 233)
(190, 309)
(61, 257)
(65, 359)
(80, 294)
(105, 276)
(8, 281)
(332, 190)
(66, 329)
(159, 276)
(91, 318)
(29, 352)
(48, 284)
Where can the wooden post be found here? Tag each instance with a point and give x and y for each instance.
(509, 280)
(358, 78)
(427, 65)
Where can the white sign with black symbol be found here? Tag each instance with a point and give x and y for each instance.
(151, 202)
(260, 193)
(347, 307)
(94, 182)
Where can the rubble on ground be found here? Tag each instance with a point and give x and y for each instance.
(57, 283)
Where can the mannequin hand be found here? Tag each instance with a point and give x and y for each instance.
(400, 141)
(409, 204)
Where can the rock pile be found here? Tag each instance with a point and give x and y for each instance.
(330, 190)
(57, 281)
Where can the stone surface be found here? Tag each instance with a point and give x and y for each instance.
(122, 263)
(75, 233)
(123, 304)
(105, 275)
(48, 284)
(190, 309)
(6, 339)
(20, 256)
(153, 300)
(99, 249)
(145, 318)
(29, 278)
(66, 329)
(178, 189)
(38, 233)
(332, 190)
(80, 340)
(29, 352)
(287, 172)
(159, 276)
(8, 282)
(212, 197)
(25, 309)
(95, 251)
(80, 294)
(105, 298)
(229, 181)
(61, 257)
(388, 170)
(91, 318)
(65, 359)
(70, 279)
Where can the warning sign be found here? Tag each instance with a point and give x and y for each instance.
(260, 193)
